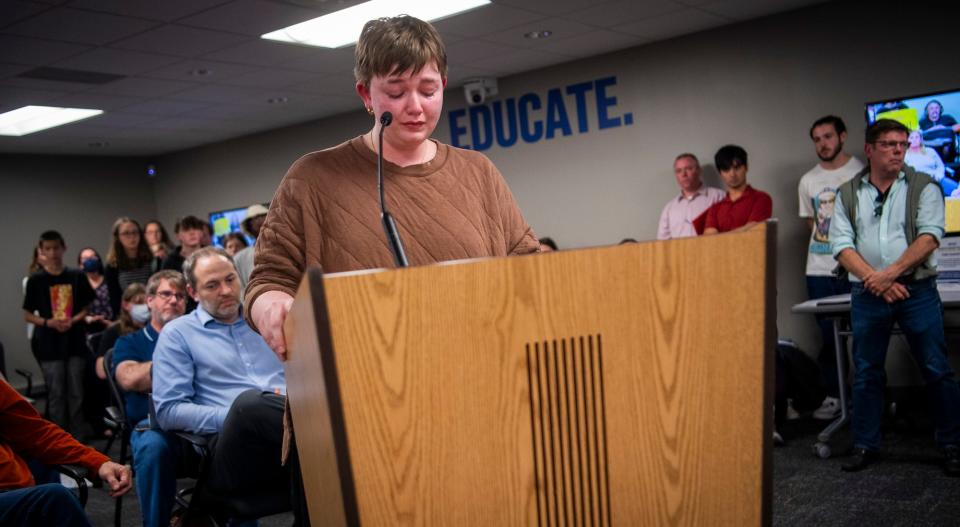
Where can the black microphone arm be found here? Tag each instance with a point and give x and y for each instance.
(389, 226)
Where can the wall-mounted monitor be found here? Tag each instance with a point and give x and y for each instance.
(934, 140)
(226, 221)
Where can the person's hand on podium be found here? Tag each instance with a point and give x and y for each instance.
(268, 312)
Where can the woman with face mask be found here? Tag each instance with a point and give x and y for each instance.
(134, 314)
(99, 313)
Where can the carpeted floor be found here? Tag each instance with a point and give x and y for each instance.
(907, 487)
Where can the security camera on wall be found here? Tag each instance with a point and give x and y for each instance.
(477, 91)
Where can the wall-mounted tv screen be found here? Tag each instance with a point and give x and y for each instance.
(226, 221)
(934, 140)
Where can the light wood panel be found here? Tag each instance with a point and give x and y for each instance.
(626, 385)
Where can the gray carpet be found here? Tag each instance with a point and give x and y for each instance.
(907, 487)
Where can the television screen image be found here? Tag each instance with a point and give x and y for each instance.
(226, 221)
(934, 141)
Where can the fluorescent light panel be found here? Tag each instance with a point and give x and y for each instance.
(30, 119)
(342, 28)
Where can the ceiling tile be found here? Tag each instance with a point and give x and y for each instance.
(265, 53)
(457, 74)
(339, 84)
(9, 70)
(746, 9)
(551, 7)
(486, 20)
(672, 24)
(180, 40)
(270, 78)
(35, 51)
(321, 60)
(120, 62)
(251, 17)
(164, 107)
(166, 10)
(124, 120)
(93, 100)
(43, 84)
(219, 93)
(623, 11)
(75, 25)
(469, 51)
(520, 60)
(143, 87)
(14, 10)
(593, 43)
(183, 70)
(13, 97)
(559, 27)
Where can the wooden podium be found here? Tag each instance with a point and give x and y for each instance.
(627, 385)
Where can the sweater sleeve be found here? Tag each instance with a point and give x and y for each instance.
(29, 435)
(519, 235)
(280, 255)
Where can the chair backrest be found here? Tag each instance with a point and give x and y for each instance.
(116, 394)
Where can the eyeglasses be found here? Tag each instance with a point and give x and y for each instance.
(167, 295)
(890, 145)
(878, 203)
(129, 233)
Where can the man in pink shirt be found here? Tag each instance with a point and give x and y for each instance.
(684, 214)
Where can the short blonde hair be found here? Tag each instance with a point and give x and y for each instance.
(394, 45)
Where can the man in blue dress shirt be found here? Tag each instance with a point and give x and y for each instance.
(213, 375)
(155, 452)
(886, 226)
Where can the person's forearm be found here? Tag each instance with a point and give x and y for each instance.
(190, 417)
(916, 253)
(34, 319)
(854, 263)
(79, 316)
(134, 376)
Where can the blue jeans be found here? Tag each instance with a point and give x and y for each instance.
(50, 505)
(920, 317)
(820, 287)
(155, 455)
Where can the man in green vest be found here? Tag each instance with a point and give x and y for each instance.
(887, 223)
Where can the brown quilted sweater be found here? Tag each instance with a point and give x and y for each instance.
(326, 213)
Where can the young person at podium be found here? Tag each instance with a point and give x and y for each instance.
(449, 203)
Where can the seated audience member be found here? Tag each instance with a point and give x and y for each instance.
(189, 231)
(683, 215)
(24, 434)
(547, 244)
(926, 160)
(212, 374)
(207, 239)
(134, 313)
(157, 239)
(939, 131)
(251, 224)
(234, 243)
(743, 206)
(129, 260)
(155, 452)
(56, 303)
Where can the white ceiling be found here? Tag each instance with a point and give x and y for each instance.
(162, 105)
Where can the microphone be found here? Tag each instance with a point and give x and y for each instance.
(389, 226)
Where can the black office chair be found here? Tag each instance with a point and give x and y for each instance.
(116, 420)
(199, 502)
(77, 474)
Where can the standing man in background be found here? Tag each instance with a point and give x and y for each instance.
(743, 205)
(887, 224)
(818, 193)
(683, 215)
(252, 221)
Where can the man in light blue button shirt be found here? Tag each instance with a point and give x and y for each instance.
(213, 375)
(887, 223)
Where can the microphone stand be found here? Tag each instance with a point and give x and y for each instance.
(389, 225)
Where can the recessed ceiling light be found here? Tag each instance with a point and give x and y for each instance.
(543, 33)
(342, 28)
(30, 119)
(200, 72)
(277, 100)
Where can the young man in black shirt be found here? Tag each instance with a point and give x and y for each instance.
(60, 297)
